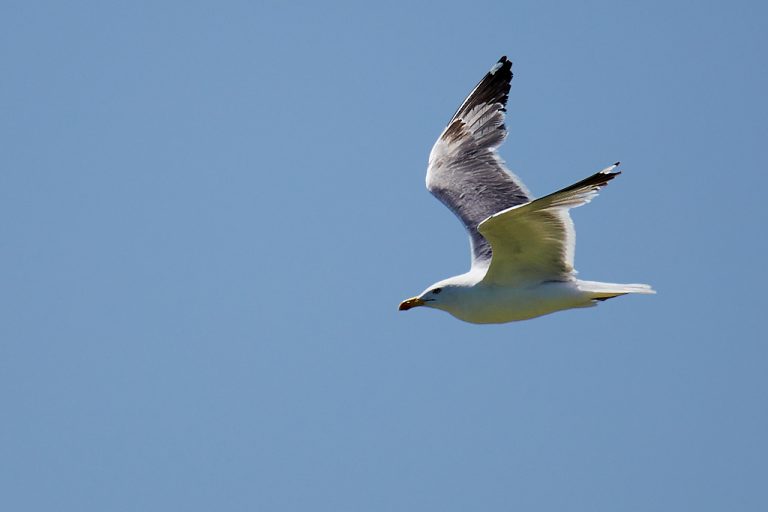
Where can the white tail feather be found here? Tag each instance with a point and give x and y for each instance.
(602, 291)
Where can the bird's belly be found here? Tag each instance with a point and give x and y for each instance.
(501, 305)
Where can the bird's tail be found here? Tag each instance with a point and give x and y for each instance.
(604, 291)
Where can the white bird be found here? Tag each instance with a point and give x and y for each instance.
(522, 249)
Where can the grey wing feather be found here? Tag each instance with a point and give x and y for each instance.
(465, 172)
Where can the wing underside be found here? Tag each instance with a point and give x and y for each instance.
(465, 172)
(535, 241)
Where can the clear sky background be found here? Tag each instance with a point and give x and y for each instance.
(209, 212)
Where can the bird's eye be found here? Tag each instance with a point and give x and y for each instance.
(437, 290)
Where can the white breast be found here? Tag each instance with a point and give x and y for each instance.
(482, 304)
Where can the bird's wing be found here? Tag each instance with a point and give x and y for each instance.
(465, 173)
(534, 242)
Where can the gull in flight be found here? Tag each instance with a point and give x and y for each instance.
(522, 248)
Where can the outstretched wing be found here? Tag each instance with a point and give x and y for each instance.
(534, 242)
(465, 172)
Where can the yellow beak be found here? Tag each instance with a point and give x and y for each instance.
(410, 303)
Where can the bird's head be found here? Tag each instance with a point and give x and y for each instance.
(439, 295)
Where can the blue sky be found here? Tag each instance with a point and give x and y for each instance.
(210, 211)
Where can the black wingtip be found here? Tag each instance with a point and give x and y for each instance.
(597, 180)
(503, 64)
(617, 164)
(492, 89)
(605, 178)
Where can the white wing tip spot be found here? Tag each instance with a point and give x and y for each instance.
(496, 67)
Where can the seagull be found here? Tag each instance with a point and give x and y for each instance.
(522, 248)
